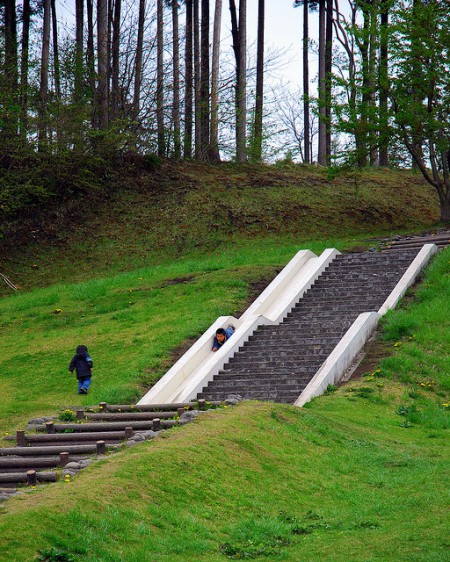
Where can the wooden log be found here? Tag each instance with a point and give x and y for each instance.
(36, 438)
(101, 448)
(48, 450)
(150, 407)
(111, 426)
(27, 463)
(15, 477)
(120, 416)
(156, 424)
(19, 477)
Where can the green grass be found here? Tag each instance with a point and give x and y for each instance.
(343, 479)
(359, 475)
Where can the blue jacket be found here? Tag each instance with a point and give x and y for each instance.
(82, 364)
(228, 333)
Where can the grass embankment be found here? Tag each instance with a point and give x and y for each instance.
(190, 209)
(360, 474)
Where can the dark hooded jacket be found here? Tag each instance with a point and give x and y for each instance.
(82, 364)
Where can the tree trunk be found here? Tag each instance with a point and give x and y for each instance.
(91, 61)
(214, 151)
(138, 62)
(259, 101)
(384, 85)
(197, 80)
(176, 82)
(9, 94)
(115, 59)
(102, 51)
(241, 121)
(160, 79)
(187, 149)
(204, 81)
(56, 67)
(374, 32)
(322, 153)
(235, 36)
(24, 62)
(306, 114)
(79, 32)
(328, 78)
(43, 87)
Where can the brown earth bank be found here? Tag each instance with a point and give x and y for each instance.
(141, 215)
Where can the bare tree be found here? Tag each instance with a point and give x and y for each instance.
(160, 79)
(24, 66)
(79, 46)
(115, 58)
(383, 80)
(214, 150)
(188, 75)
(259, 98)
(176, 81)
(43, 87)
(10, 76)
(138, 61)
(204, 81)
(197, 79)
(102, 63)
(239, 35)
(56, 66)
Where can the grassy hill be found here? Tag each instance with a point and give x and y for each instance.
(140, 271)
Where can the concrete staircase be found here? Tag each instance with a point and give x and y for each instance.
(49, 449)
(278, 361)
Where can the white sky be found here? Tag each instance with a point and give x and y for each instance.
(283, 29)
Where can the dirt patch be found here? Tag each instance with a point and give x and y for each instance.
(375, 350)
(178, 281)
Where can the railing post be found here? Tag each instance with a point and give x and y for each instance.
(20, 438)
(31, 477)
(156, 424)
(50, 427)
(101, 447)
(63, 458)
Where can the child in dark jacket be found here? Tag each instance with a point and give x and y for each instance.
(82, 364)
